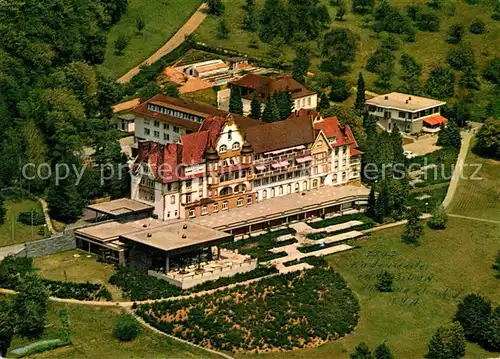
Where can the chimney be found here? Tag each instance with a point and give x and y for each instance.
(386, 97)
(407, 101)
(409, 98)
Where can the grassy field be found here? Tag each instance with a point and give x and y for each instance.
(92, 338)
(428, 284)
(478, 198)
(13, 232)
(163, 18)
(77, 266)
(429, 49)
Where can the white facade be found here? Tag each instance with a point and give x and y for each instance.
(307, 102)
(157, 131)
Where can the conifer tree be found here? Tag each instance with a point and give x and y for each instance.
(324, 103)
(397, 145)
(414, 228)
(383, 352)
(275, 108)
(360, 94)
(372, 200)
(362, 351)
(447, 343)
(285, 104)
(255, 108)
(235, 102)
(3, 210)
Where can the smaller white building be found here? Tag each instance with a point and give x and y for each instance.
(409, 113)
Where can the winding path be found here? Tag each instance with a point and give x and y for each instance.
(178, 38)
(457, 174)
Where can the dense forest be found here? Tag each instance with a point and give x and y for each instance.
(54, 105)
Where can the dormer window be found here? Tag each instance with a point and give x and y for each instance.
(222, 148)
(236, 146)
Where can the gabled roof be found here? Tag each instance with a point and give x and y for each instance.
(188, 107)
(265, 86)
(331, 127)
(195, 144)
(279, 135)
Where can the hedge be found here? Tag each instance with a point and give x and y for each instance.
(278, 313)
(38, 347)
(13, 270)
(339, 220)
(31, 218)
(138, 285)
(321, 235)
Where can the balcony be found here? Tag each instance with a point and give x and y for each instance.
(280, 158)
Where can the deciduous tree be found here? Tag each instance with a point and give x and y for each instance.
(414, 228)
(441, 83)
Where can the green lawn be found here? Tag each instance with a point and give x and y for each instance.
(429, 49)
(92, 338)
(77, 266)
(13, 232)
(163, 18)
(478, 198)
(446, 266)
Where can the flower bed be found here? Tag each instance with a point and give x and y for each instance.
(340, 219)
(279, 313)
(13, 271)
(137, 285)
(321, 235)
(258, 247)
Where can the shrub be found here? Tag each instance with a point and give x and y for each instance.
(491, 71)
(477, 27)
(126, 328)
(121, 43)
(384, 281)
(439, 218)
(493, 331)
(137, 285)
(460, 58)
(27, 217)
(428, 22)
(323, 307)
(455, 34)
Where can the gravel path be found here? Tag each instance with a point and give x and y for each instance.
(187, 29)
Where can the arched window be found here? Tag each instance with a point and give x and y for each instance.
(172, 199)
(315, 183)
(226, 191)
(280, 190)
(304, 186)
(224, 205)
(289, 189)
(297, 187)
(236, 146)
(264, 194)
(222, 148)
(273, 192)
(240, 202)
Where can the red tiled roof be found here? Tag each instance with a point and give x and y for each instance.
(436, 120)
(189, 107)
(332, 128)
(265, 86)
(278, 135)
(195, 144)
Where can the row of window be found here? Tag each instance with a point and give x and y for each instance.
(298, 103)
(147, 132)
(224, 206)
(235, 147)
(174, 113)
(404, 114)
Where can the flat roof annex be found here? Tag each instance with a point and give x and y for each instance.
(120, 207)
(175, 236)
(401, 101)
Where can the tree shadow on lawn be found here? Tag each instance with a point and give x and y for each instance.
(410, 241)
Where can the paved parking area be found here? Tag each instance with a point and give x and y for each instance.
(423, 146)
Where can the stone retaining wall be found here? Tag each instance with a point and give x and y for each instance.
(45, 247)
